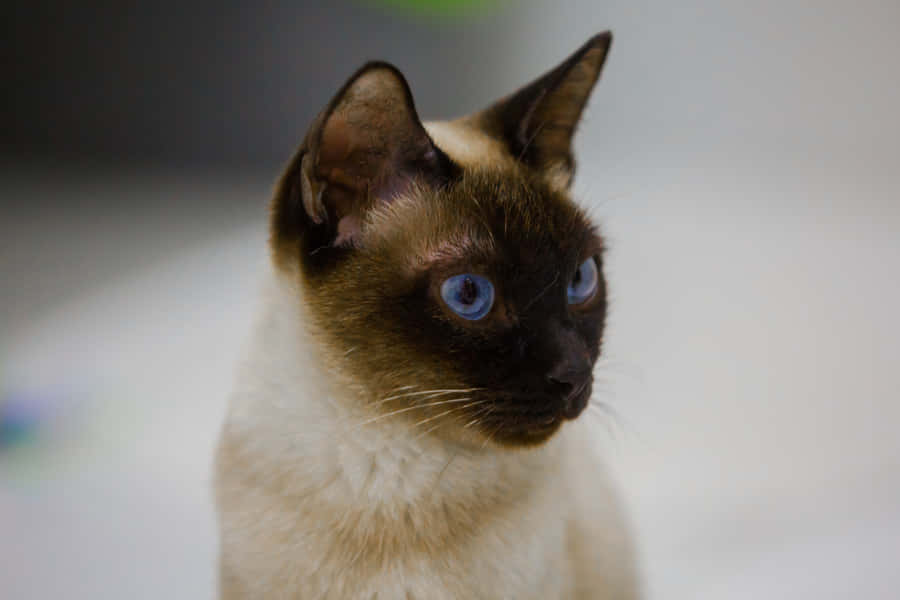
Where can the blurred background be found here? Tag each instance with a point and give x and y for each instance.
(742, 157)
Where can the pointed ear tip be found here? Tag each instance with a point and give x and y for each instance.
(601, 40)
(381, 76)
(374, 65)
(378, 65)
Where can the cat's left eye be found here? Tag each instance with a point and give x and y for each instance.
(584, 284)
(470, 296)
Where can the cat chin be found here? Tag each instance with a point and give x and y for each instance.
(520, 431)
(526, 438)
(515, 426)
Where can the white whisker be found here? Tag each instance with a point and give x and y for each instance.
(490, 437)
(407, 409)
(480, 415)
(447, 412)
(434, 394)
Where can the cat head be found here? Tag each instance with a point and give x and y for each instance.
(448, 275)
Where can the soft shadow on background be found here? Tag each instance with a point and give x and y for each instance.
(743, 159)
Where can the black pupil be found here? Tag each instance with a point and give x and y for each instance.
(577, 279)
(468, 292)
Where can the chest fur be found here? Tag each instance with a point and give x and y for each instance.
(280, 546)
(352, 533)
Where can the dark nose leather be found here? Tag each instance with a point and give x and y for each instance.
(570, 378)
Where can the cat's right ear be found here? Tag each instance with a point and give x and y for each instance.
(367, 147)
(537, 123)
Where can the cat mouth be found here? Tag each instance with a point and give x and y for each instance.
(577, 401)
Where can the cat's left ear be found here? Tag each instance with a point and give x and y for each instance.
(367, 147)
(538, 122)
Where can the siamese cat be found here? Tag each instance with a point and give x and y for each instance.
(404, 425)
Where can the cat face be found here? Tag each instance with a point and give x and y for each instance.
(449, 277)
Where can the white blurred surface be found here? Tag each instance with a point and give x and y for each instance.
(744, 164)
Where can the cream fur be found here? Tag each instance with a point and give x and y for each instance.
(468, 145)
(314, 505)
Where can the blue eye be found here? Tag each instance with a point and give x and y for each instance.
(584, 284)
(469, 296)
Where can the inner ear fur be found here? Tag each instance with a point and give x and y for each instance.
(365, 148)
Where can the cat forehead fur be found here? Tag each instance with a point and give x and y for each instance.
(489, 215)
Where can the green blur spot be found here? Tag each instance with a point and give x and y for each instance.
(436, 7)
(15, 434)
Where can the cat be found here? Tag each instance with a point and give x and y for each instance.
(404, 425)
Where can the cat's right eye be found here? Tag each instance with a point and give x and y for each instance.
(468, 295)
(584, 283)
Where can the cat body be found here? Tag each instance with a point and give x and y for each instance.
(377, 445)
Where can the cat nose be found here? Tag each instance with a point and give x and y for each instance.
(570, 378)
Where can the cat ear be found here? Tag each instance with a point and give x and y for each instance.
(367, 147)
(538, 122)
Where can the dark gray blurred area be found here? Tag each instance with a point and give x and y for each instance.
(216, 83)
